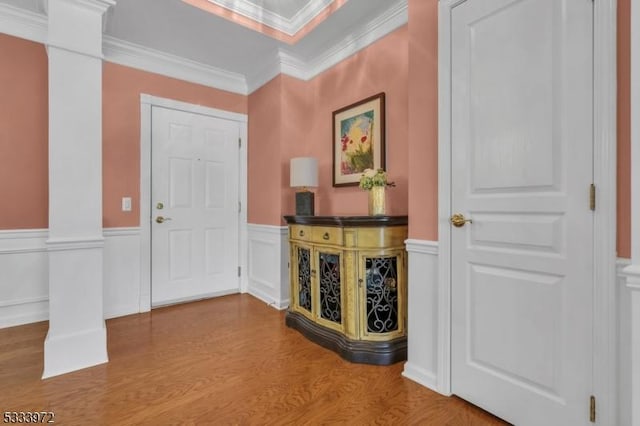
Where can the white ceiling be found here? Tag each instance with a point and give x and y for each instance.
(176, 28)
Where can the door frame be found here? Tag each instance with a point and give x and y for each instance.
(147, 102)
(604, 265)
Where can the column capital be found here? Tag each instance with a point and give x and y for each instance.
(76, 25)
(97, 6)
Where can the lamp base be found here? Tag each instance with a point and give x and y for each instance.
(304, 203)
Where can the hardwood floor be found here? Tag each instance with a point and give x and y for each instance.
(229, 360)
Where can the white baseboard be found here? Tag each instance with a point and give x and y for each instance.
(420, 376)
(268, 260)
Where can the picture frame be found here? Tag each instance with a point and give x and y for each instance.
(358, 139)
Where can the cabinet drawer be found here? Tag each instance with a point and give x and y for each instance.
(327, 235)
(300, 232)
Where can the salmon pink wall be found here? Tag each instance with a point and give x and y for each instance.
(624, 128)
(122, 87)
(263, 162)
(23, 134)
(306, 125)
(423, 119)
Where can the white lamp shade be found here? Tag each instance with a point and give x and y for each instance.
(304, 172)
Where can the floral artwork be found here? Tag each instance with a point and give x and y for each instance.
(358, 140)
(356, 155)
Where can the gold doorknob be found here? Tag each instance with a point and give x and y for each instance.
(161, 219)
(458, 220)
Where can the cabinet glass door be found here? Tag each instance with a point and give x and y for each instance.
(381, 294)
(329, 287)
(304, 278)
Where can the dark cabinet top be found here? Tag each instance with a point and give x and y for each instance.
(348, 221)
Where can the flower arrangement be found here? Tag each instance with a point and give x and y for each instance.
(371, 178)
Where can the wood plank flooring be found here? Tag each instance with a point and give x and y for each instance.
(224, 361)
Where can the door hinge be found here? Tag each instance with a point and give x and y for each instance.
(592, 197)
(239, 271)
(239, 142)
(239, 206)
(592, 409)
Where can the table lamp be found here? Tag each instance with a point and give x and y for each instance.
(303, 175)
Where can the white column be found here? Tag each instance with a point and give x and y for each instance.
(77, 334)
(632, 271)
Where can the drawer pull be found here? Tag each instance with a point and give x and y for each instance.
(301, 233)
(325, 236)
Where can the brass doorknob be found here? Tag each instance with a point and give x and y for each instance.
(161, 219)
(458, 220)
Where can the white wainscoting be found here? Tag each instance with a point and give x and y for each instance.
(422, 362)
(122, 265)
(268, 260)
(24, 281)
(624, 345)
(422, 357)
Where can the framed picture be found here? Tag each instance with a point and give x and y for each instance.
(358, 140)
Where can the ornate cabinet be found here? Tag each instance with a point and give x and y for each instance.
(348, 284)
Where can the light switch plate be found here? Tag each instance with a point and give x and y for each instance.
(126, 204)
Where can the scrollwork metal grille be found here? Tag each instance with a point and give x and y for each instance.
(330, 303)
(382, 294)
(304, 278)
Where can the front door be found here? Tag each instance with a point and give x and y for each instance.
(522, 154)
(194, 206)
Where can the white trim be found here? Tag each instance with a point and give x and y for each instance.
(151, 60)
(23, 23)
(420, 375)
(26, 301)
(146, 102)
(268, 229)
(444, 195)
(33, 26)
(66, 244)
(286, 62)
(605, 215)
(635, 132)
(422, 246)
(192, 108)
(605, 168)
(392, 19)
(121, 232)
(289, 26)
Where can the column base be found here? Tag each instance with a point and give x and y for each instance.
(66, 353)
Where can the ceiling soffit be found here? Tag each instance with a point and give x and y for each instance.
(294, 20)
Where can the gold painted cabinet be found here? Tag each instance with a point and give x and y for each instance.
(348, 284)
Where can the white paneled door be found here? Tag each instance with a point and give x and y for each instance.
(522, 154)
(194, 206)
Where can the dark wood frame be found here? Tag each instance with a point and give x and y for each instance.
(380, 97)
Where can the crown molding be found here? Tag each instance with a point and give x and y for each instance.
(288, 63)
(23, 23)
(395, 17)
(144, 58)
(33, 26)
(289, 26)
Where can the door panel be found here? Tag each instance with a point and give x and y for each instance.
(195, 186)
(521, 169)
